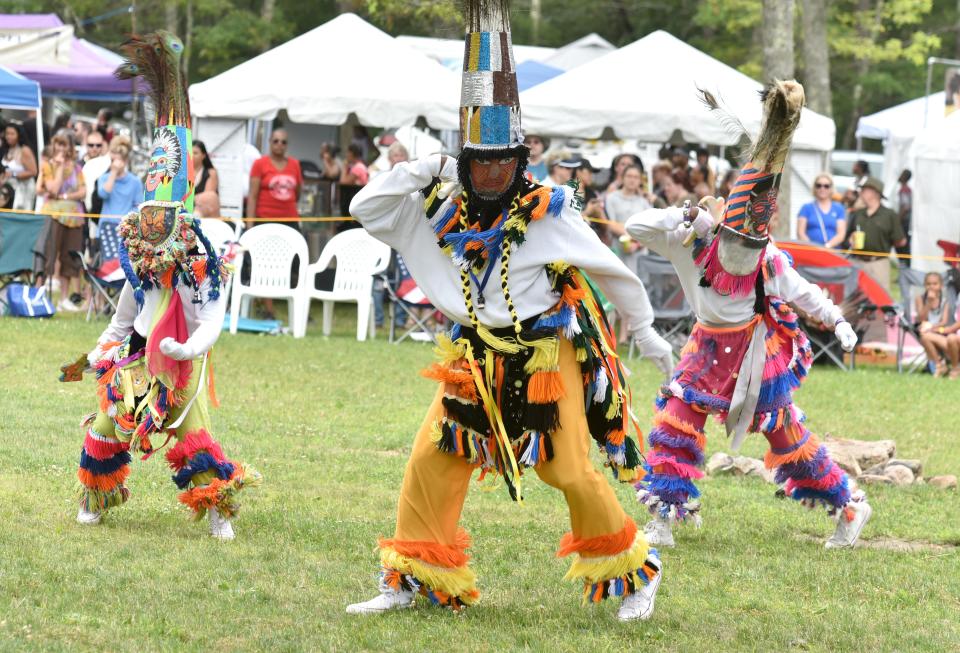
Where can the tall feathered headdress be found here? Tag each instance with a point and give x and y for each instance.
(732, 260)
(156, 57)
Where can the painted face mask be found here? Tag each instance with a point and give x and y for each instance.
(753, 202)
(490, 178)
(165, 159)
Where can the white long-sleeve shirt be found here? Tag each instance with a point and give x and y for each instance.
(391, 208)
(204, 321)
(662, 231)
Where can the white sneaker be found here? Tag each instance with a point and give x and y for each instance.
(88, 518)
(67, 306)
(220, 527)
(850, 521)
(639, 605)
(388, 599)
(659, 532)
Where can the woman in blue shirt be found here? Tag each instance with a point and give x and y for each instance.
(822, 221)
(120, 189)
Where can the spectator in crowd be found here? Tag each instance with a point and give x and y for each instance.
(681, 167)
(618, 166)
(368, 149)
(64, 189)
(953, 93)
(397, 153)
(30, 131)
(905, 209)
(703, 162)
(81, 129)
(861, 172)
(206, 190)
(62, 121)
(536, 164)
(353, 177)
(622, 204)
(95, 163)
(583, 173)
(7, 196)
(120, 190)
(104, 116)
(661, 171)
(701, 190)
(822, 221)
(727, 184)
(275, 185)
(880, 229)
(329, 158)
(19, 167)
(937, 328)
(561, 166)
(674, 191)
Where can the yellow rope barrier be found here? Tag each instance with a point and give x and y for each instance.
(857, 252)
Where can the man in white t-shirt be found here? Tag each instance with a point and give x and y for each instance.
(95, 162)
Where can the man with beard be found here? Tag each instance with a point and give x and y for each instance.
(746, 354)
(529, 371)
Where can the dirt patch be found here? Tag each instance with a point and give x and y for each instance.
(892, 544)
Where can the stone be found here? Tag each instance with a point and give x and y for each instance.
(746, 466)
(946, 482)
(847, 462)
(899, 474)
(915, 466)
(719, 463)
(866, 453)
(875, 479)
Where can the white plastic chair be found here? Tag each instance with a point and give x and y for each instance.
(272, 249)
(218, 232)
(359, 256)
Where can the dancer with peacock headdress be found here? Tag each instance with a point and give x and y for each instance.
(746, 354)
(152, 362)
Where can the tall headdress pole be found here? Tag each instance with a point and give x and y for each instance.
(489, 100)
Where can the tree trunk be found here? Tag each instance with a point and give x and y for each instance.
(267, 11)
(956, 27)
(188, 41)
(816, 57)
(777, 37)
(778, 63)
(866, 30)
(170, 16)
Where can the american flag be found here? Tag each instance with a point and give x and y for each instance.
(109, 269)
(408, 290)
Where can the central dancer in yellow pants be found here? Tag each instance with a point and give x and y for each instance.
(529, 374)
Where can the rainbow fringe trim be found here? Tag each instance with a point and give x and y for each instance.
(437, 571)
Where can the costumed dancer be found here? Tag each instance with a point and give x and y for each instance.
(152, 362)
(529, 371)
(746, 354)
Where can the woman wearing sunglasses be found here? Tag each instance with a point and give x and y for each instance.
(822, 221)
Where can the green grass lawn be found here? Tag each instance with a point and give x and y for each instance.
(329, 422)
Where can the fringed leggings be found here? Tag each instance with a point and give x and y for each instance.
(428, 550)
(678, 440)
(209, 479)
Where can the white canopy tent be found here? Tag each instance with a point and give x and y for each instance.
(449, 52)
(897, 127)
(935, 160)
(341, 67)
(579, 52)
(635, 95)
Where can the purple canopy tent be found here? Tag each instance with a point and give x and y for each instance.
(88, 76)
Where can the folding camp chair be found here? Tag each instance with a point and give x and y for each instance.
(672, 316)
(406, 296)
(18, 238)
(105, 274)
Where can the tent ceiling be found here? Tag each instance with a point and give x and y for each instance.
(341, 67)
(635, 95)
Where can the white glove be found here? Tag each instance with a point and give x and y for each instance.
(176, 350)
(94, 356)
(844, 333)
(655, 348)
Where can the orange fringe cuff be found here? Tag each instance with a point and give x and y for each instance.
(601, 545)
(807, 452)
(442, 555)
(103, 482)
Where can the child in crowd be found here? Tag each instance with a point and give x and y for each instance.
(938, 330)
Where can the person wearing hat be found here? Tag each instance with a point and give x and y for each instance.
(747, 353)
(529, 371)
(152, 361)
(881, 229)
(562, 166)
